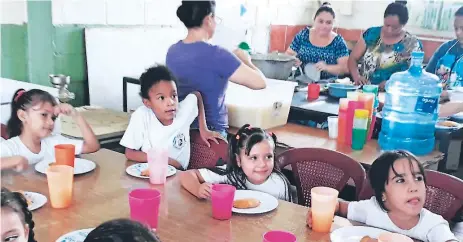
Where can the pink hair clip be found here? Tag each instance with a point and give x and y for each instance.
(18, 95)
(237, 137)
(249, 127)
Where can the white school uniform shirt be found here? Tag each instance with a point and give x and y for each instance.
(14, 146)
(274, 185)
(145, 131)
(458, 230)
(430, 228)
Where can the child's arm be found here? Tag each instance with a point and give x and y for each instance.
(204, 131)
(19, 163)
(90, 144)
(194, 183)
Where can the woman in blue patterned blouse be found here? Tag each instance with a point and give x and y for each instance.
(321, 46)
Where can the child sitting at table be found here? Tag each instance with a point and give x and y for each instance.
(251, 167)
(119, 230)
(30, 127)
(399, 183)
(17, 223)
(163, 121)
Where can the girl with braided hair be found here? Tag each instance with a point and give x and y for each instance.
(17, 224)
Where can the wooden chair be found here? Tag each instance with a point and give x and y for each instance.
(313, 167)
(444, 194)
(202, 156)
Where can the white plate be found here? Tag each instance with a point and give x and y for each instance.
(37, 200)
(81, 166)
(442, 127)
(75, 236)
(354, 233)
(136, 169)
(267, 202)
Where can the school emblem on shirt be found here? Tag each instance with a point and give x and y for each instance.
(179, 141)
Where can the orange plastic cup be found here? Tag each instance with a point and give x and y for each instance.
(60, 179)
(65, 154)
(392, 237)
(324, 200)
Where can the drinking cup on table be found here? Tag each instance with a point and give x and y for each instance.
(279, 236)
(392, 237)
(222, 197)
(144, 206)
(158, 159)
(323, 201)
(333, 127)
(65, 154)
(313, 91)
(60, 181)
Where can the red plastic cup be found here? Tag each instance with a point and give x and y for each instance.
(144, 206)
(65, 154)
(222, 197)
(279, 236)
(313, 91)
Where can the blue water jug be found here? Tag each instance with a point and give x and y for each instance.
(410, 109)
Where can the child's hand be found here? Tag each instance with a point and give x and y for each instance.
(207, 135)
(65, 109)
(204, 190)
(309, 218)
(19, 163)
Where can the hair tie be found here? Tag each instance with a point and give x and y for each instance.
(270, 133)
(237, 137)
(249, 127)
(18, 95)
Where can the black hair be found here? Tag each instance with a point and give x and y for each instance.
(24, 100)
(245, 139)
(119, 230)
(459, 12)
(153, 76)
(379, 171)
(398, 8)
(192, 13)
(325, 7)
(18, 203)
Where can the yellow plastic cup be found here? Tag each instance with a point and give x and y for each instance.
(324, 200)
(60, 179)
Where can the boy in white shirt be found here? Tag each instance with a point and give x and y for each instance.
(399, 183)
(163, 121)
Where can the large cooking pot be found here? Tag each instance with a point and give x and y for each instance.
(274, 65)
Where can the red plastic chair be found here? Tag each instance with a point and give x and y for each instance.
(202, 156)
(313, 167)
(4, 131)
(444, 194)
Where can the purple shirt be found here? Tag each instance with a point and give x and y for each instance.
(204, 68)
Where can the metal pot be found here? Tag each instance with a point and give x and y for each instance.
(274, 65)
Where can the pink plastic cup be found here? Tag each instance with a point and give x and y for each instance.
(279, 236)
(222, 197)
(144, 206)
(157, 164)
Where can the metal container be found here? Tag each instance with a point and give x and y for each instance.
(274, 65)
(59, 81)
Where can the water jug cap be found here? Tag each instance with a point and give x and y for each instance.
(417, 54)
(361, 113)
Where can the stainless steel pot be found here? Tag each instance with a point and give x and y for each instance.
(274, 65)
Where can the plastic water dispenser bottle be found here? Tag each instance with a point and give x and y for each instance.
(410, 109)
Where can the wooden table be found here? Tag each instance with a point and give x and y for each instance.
(108, 125)
(299, 136)
(103, 195)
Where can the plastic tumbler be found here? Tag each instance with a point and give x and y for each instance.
(279, 236)
(144, 206)
(313, 92)
(324, 200)
(158, 159)
(392, 237)
(222, 197)
(333, 127)
(65, 154)
(60, 179)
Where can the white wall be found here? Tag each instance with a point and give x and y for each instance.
(13, 11)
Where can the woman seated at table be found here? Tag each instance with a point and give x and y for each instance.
(321, 46)
(447, 61)
(384, 50)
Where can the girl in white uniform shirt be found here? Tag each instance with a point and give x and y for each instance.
(30, 127)
(251, 167)
(400, 192)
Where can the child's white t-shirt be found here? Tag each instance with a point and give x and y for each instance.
(274, 185)
(14, 146)
(430, 228)
(145, 131)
